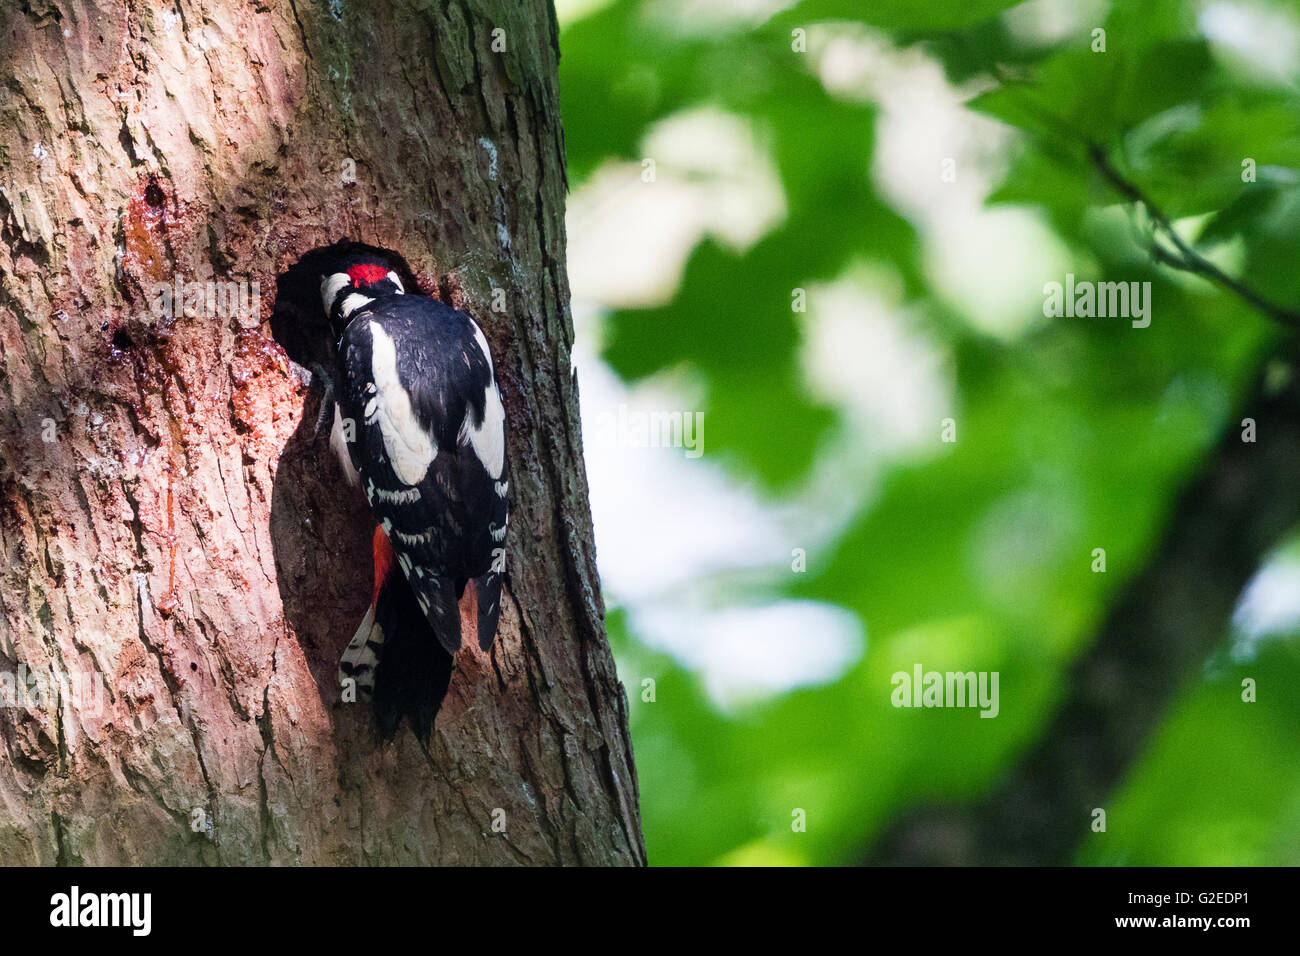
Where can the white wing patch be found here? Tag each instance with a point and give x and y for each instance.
(489, 439)
(483, 347)
(410, 448)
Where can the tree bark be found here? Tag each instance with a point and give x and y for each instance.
(177, 539)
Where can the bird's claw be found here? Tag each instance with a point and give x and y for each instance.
(325, 417)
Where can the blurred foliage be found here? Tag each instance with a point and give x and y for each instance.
(1074, 434)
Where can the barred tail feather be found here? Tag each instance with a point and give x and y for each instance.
(361, 658)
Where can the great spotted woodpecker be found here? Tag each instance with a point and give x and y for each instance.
(420, 428)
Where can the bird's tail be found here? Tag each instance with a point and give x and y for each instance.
(414, 669)
(395, 657)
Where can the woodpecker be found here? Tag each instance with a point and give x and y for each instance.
(419, 427)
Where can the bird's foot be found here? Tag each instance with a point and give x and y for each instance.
(325, 417)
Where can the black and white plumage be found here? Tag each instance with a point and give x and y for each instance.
(420, 428)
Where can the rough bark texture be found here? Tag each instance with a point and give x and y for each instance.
(170, 524)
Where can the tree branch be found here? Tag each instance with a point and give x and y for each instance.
(1167, 620)
(1183, 256)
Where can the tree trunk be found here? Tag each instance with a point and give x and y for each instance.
(183, 563)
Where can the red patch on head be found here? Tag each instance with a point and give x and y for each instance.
(366, 273)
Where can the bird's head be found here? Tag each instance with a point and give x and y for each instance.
(348, 285)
